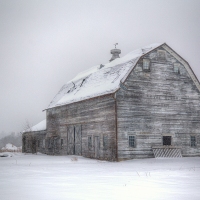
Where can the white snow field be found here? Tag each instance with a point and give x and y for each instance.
(42, 177)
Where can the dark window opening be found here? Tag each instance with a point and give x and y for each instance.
(105, 141)
(167, 140)
(38, 143)
(193, 141)
(89, 142)
(61, 143)
(131, 139)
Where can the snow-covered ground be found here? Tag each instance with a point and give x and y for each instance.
(42, 177)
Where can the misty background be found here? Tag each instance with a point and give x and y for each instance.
(45, 43)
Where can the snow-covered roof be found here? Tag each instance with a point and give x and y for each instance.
(99, 80)
(38, 127)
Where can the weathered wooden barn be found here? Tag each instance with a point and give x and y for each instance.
(145, 104)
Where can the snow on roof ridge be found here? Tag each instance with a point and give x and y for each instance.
(41, 126)
(97, 81)
(117, 61)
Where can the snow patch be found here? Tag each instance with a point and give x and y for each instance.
(38, 127)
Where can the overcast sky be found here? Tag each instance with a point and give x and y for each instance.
(45, 43)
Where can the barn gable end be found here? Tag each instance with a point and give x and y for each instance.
(163, 100)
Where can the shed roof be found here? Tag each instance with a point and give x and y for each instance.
(41, 126)
(98, 80)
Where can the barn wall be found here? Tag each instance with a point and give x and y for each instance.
(96, 117)
(155, 103)
(32, 142)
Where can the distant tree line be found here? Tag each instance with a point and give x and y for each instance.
(13, 138)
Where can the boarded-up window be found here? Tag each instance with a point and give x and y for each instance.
(105, 141)
(61, 143)
(146, 64)
(161, 54)
(193, 141)
(89, 142)
(177, 68)
(131, 140)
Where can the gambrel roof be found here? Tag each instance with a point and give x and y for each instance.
(106, 79)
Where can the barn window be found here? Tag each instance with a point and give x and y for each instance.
(43, 143)
(161, 54)
(177, 68)
(50, 143)
(61, 143)
(105, 141)
(131, 140)
(89, 142)
(167, 140)
(193, 141)
(146, 64)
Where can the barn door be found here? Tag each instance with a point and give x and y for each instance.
(55, 145)
(96, 146)
(34, 145)
(70, 134)
(78, 140)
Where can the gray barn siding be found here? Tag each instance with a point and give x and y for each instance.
(157, 103)
(95, 116)
(30, 142)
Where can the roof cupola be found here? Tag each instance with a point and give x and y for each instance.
(115, 53)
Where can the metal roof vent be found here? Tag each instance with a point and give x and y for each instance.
(115, 53)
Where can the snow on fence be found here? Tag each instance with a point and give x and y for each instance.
(9, 150)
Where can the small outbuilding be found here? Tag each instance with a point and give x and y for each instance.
(33, 139)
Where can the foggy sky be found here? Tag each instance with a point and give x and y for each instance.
(45, 43)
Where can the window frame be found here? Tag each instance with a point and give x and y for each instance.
(163, 140)
(129, 141)
(144, 66)
(43, 143)
(193, 142)
(61, 143)
(89, 142)
(105, 142)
